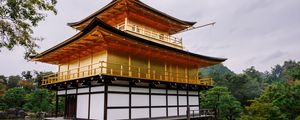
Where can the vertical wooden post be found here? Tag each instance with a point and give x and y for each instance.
(177, 92)
(149, 69)
(188, 103)
(66, 105)
(105, 99)
(126, 24)
(167, 104)
(89, 104)
(139, 72)
(56, 104)
(129, 66)
(130, 95)
(166, 73)
(150, 108)
(121, 72)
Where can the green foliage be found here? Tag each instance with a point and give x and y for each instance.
(244, 86)
(39, 77)
(295, 72)
(14, 97)
(18, 17)
(263, 111)
(219, 98)
(39, 100)
(3, 105)
(277, 101)
(13, 81)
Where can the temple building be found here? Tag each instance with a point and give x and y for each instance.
(125, 63)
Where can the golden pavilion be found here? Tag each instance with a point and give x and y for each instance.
(125, 63)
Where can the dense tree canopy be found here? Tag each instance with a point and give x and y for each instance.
(17, 18)
(13, 81)
(220, 99)
(15, 97)
(39, 101)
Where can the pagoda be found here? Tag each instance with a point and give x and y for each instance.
(125, 63)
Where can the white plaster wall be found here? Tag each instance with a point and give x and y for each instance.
(182, 100)
(140, 113)
(172, 111)
(117, 114)
(158, 100)
(61, 92)
(172, 91)
(172, 100)
(97, 89)
(158, 112)
(117, 88)
(194, 108)
(140, 100)
(143, 90)
(193, 100)
(158, 91)
(73, 91)
(83, 90)
(182, 110)
(82, 106)
(118, 99)
(97, 106)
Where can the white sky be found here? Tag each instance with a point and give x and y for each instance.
(258, 33)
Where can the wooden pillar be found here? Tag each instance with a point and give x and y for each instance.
(149, 69)
(129, 66)
(130, 98)
(105, 99)
(56, 102)
(177, 92)
(188, 103)
(150, 111)
(199, 101)
(66, 105)
(76, 100)
(167, 104)
(89, 104)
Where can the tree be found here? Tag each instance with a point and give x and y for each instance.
(217, 72)
(27, 75)
(39, 77)
(17, 18)
(263, 111)
(40, 100)
(220, 99)
(26, 84)
(295, 72)
(13, 81)
(279, 100)
(2, 84)
(15, 97)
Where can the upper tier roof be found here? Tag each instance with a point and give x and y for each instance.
(98, 23)
(183, 24)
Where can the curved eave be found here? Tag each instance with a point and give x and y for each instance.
(189, 23)
(74, 24)
(97, 22)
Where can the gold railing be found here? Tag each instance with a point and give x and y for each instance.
(105, 68)
(150, 33)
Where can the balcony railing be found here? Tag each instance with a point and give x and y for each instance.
(146, 32)
(105, 68)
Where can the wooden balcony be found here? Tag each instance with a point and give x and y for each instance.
(119, 70)
(152, 35)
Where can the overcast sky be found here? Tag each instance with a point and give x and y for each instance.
(258, 33)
